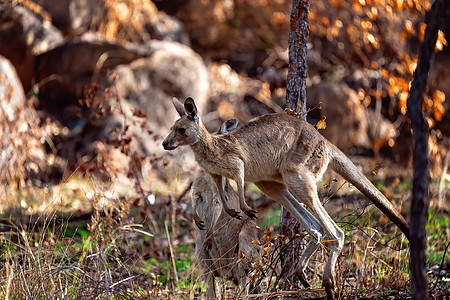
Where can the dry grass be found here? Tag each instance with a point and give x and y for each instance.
(42, 260)
(127, 249)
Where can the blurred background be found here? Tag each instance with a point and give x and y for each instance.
(85, 101)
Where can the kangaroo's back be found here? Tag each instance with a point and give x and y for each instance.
(268, 144)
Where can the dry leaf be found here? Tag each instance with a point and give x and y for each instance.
(322, 124)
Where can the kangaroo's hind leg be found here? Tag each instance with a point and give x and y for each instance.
(302, 184)
(281, 195)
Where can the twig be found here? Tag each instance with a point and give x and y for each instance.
(10, 277)
(42, 278)
(24, 282)
(380, 259)
(376, 242)
(327, 198)
(171, 252)
(122, 281)
(440, 267)
(72, 266)
(132, 227)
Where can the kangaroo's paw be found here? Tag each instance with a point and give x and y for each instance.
(207, 244)
(234, 213)
(252, 214)
(200, 224)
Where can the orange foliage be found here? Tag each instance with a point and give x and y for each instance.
(124, 19)
(437, 107)
(322, 124)
(362, 33)
(441, 41)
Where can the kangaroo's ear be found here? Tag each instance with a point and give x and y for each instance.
(178, 106)
(228, 125)
(191, 109)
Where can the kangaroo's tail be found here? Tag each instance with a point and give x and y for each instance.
(344, 167)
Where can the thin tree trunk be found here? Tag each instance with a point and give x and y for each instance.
(298, 38)
(295, 94)
(420, 203)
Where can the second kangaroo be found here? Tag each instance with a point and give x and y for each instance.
(221, 238)
(284, 156)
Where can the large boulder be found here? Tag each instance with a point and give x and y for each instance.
(73, 16)
(132, 99)
(149, 75)
(144, 88)
(20, 136)
(172, 70)
(68, 68)
(23, 35)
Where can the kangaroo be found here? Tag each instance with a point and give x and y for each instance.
(284, 156)
(216, 248)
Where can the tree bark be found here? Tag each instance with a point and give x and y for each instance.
(295, 94)
(420, 202)
(298, 39)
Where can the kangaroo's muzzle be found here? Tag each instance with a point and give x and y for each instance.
(167, 146)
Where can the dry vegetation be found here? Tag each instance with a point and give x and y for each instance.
(84, 237)
(127, 249)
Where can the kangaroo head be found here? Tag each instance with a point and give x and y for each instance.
(186, 130)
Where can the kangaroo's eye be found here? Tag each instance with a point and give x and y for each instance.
(181, 130)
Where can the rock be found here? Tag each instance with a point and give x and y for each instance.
(69, 67)
(145, 89)
(23, 35)
(133, 102)
(171, 70)
(350, 123)
(20, 136)
(167, 28)
(73, 17)
(166, 68)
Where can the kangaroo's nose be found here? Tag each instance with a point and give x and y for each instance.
(167, 146)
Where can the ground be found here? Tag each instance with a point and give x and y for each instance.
(87, 243)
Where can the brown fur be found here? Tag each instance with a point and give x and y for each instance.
(285, 157)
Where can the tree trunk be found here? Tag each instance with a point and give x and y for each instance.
(295, 94)
(298, 38)
(419, 208)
